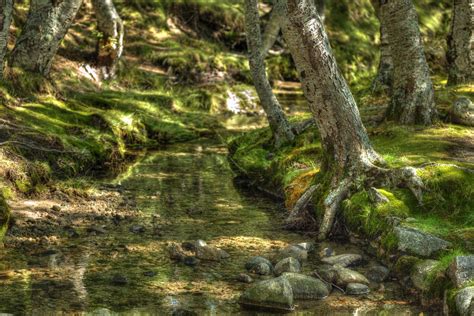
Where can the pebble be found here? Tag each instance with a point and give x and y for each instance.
(357, 289)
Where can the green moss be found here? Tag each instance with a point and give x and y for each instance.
(405, 264)
(4, 216)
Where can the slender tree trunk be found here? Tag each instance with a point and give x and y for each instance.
(461, 43)
(110, 45)
(383, 80)
(47, 23)
(273, 27)
(413, 94)
(6, 7)
(276, 118)
(348, 152)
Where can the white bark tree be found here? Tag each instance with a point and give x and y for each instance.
(110, 44)
(461, 43)
(6, 8)
(349, 158)
(412, 99)
(46, 25)
(277, 120)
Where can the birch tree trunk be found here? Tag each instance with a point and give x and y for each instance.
(47, 23)
(347, 150)
(6, 7)
(383, 80)
(273, 27)
(110, 44)
(412, 100)
(460, 53)
(279, 125)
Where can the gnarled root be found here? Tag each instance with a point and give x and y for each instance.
(299, 217)
(372, 176)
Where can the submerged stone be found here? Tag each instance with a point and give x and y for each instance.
(273, 294)
(305, 287)
(343, 260)
(292, 251)
(287, 265)
(419, 243)
(378, 273)
(461, 270)
(259, 265)
(344, 276)
(244, 278)
(357, 289)
(308, 246)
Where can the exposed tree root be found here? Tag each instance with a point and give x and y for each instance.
(299, 217)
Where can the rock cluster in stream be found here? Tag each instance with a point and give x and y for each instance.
(288, 284)
(190, 253)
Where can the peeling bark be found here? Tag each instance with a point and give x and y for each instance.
(412, 100)
(46, 25)
(460, 53)
(279, 125)
(348, 152)
(110, 45)
(6, 8)
(383, 81)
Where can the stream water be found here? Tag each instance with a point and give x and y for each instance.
(183, 192)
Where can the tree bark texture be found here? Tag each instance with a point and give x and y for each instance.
(6, 8)
(273, 27)
(279, 125)
(460, 53)
(47, 23)
(412, 99)
(110, 44)
(348, 151)
(383, 80)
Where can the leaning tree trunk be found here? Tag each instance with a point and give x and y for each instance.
(273, 27)
(6, 7)
(383, 80)
(460, 54)
(110, 44)
(46, 25)
(349, 158)
(276, 118)
(412, 100)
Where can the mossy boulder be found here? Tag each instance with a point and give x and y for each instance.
(419, 243)
(273, 294)
(465, 301)
(420, 275)
(305, 287)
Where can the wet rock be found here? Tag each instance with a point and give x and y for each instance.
(461, 270)
(176, 252)
(420, 273)
(344, 276)
(119, 280)
(377, 273)
(292, 251)
(419, 243)
(326, 252)
(287, 265)
(259, 265)
(191, 261)
(344, 260)
(465, 301)
(244, 278)
(325, 272)
(137, 229)
(462, 111)
(206, 252)
(149, 274)
(305, 287)
(357, 289)
(308, 246)
(56, 208)
(273, 294)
